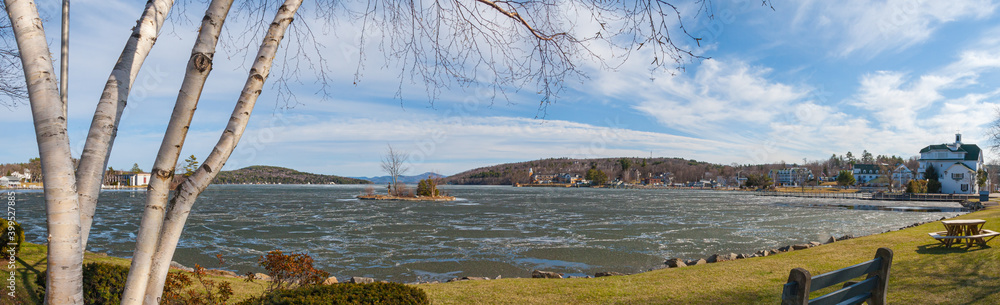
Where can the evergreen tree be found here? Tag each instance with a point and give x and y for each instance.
(135, 168)
(846, 178)
(191, 164)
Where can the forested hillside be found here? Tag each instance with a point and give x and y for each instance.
(259, 174)
(622, 168)
(681, 170)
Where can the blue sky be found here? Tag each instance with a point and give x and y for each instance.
(803, 81)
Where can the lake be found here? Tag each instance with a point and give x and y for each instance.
(489, 231)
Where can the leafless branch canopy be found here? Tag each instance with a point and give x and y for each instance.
(394, 164)
(12, 88)
(501, 45)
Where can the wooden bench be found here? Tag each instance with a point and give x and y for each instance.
(982, 238)
(872, 289)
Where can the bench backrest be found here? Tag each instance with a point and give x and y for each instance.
(873, 288)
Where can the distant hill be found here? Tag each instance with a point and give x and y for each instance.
(626, 168)
(404, 179)
(259, 174)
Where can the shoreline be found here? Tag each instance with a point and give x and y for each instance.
(668, 263)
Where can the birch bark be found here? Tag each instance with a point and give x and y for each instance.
(189, 190)
(104, 127)
(65, 257)
(198, 68)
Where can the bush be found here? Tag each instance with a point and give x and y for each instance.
(102, 283)
(916, 186)
(11, 236)
(290, 270)
(347, 293)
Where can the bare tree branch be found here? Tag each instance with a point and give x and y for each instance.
(12, 88)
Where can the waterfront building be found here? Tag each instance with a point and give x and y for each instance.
(10, 181)
(790, 176)
(902, 175)
(134, 179)
(864, 174)
(957, 165)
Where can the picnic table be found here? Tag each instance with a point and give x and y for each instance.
(969, 230)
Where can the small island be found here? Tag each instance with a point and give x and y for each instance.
(426, 191)
(393, 164)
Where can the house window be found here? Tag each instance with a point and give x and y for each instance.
(965, 187)
(958, 176)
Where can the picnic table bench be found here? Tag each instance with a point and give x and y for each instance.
(872, 289)
(969, 230)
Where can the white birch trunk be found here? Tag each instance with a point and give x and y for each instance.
(198, 68)
(104, 127)
(65, 257)
(64, 62)
(193, 186)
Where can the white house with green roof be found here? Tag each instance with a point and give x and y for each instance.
(956, 164)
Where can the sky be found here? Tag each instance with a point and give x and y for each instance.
(801, 81)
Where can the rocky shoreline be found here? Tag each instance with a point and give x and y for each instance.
(679, 262)
(542, 274)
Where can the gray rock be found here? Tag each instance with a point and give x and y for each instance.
(831, 240)
(220, 272)
(695, 262)
(538, 274)
(330, 280)
(786, 249)
(743, 255)
(763, 253)
(609, 273)
(814, 243)
(800, 246)
(178, 266)
(675, 263)
(361, 280)
(726, 257)
(261, 276)
(497, 278)
(475, 278)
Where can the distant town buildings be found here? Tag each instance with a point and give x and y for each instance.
(865, 174)
(957, 165)
(10, 181)
(15, 178)
(123, 178)
(794, 176)
(902, 175)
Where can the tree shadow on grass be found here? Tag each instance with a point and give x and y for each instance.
(939, 248)
(26, 282)
(968, 275)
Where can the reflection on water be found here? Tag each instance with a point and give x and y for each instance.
(491, 231)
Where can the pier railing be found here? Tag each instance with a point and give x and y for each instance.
(873, 196)
(838, 195)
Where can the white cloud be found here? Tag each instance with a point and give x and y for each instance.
(873, 27)
(720, 96)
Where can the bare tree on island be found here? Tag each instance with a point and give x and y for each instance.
(532, 43)
(394, 164)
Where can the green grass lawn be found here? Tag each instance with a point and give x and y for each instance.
(923, 272)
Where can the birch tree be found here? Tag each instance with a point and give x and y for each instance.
(533, 44)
